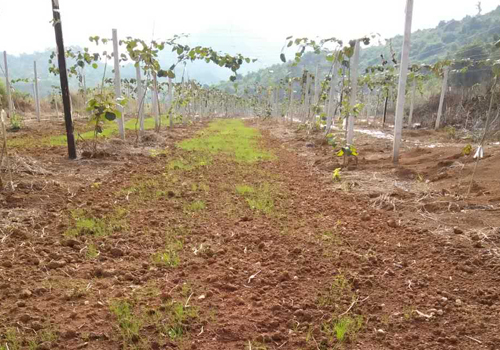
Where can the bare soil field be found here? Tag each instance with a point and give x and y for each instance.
(233, 235)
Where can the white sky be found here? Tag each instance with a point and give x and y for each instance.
(25, 27)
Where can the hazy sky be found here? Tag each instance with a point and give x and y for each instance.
(25, 27)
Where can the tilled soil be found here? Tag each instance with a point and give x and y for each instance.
(180, 255)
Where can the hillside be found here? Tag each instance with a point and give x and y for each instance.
(471, 37)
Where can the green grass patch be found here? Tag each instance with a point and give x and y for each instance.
(129, 324)
(195, 206)
(169, 255)
(339, 289)
(260, 198)
(342, 330)
(170, 322)
(92, 252)
(82, 222)
(147, 189)
(13, 339)
(189, 163)
(244, 189)
(229, 137)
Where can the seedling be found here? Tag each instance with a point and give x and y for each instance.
(347, 152)
(129, 324)
(169, 256)
(336, 175)
(339, 288)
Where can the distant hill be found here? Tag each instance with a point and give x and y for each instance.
(472, 37)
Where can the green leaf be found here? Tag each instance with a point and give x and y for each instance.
(232, 78)
(110, 116)
(94, 65)
(171, 74)
(283, 58)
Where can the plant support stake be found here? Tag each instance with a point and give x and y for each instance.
(354, 92)
(412, 104)
(118, 91)
(37, 94)
(405, 57)
(140, 98)
(10, 109)
(441, 100)
(63, 75)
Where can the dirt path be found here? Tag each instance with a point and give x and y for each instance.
(232, 241)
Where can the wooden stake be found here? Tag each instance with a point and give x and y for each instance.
(307, 109)
(413, 91)
(63, 75)
(140, 98)
(441, 100)
(10, 110)
(4, 151)
(354, 92)
(37, 94)
(170, 102)
(118, 90)
(403, 74)
(316, 86)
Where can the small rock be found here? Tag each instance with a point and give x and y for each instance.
(25, 318)
(285, 276)
(21, 304)
(45, 346)
(70, 334)
(40, 290)
(392, 223)
(230, 287)
(458, 231)
(458, 302)
(277, 337)
(36, 326)
(303, 315)
(116, 252)
(7, 264)
(56, 264)
(25, 293)
(72, 243)
(440, 312)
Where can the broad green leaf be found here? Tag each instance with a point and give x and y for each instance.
(110, 116)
